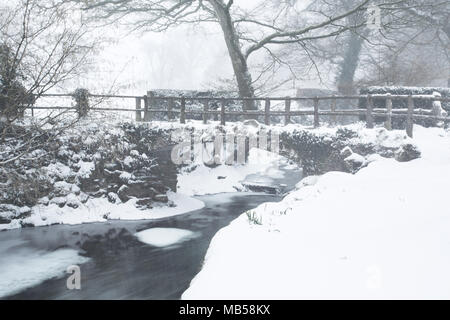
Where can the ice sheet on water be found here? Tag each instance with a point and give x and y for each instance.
(163, 237)
(23, 268)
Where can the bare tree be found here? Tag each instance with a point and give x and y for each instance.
(421, 62)
(431, 17)
(411, 47)
(39, 50)
(350, 59)
(405, 27)
(245, 31)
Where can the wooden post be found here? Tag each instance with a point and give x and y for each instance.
(409, 118)
(316, 112)
(150, 101)
(267, 112)
(183, 111)
(222, 112)
(333, 109)
(388, 123)
(369, 115)
(169, 109)
(138, 109)
(244, 110)
(436, 108)
(82, 101)
(205, 110)
(287, 109)
(145, 108)
(33, 97)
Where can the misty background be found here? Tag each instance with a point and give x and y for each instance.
(131, 60)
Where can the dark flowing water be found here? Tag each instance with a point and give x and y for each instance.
(122, 267)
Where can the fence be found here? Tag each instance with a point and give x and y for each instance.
(145, 108)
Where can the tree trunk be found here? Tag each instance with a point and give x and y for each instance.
(349, 64)
(238, 61)
(446, 29)
(347, 70)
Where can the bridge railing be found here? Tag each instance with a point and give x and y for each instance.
(145, 107)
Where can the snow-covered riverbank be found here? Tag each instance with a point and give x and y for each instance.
(99, 171)
(87, 182)
(101, 210)
(380, 233)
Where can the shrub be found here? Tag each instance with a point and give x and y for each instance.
(81, 97)
(13, 94)
(254, 218)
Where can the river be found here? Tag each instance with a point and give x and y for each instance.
(119, 266)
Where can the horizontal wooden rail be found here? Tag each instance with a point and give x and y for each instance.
(67, 95)
(356, 97)
(354, 112)
(349, 97)
(51, 108)
(148, 105)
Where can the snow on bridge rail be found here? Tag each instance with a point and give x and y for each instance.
(146, 106)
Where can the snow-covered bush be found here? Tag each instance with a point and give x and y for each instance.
(81, 97)
(344, 149)
(114, 161)
(398, 90)
(407, 152)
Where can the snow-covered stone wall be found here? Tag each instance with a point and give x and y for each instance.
(117, 162)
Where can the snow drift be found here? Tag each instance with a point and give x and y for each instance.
(381, 233)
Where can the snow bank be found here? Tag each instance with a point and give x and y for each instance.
(68, 204)
(100, 209)
(381, 233)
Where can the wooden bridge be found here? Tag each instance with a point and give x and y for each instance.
(146, 106)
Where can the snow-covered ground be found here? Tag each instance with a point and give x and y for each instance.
(203, 180)
(100, 209)
(199, 179)
(380, 233)
(230, 178)
(195, 179)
